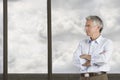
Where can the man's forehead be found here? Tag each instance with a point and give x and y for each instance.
(89, 21)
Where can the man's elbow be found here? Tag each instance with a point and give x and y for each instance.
(101, 62)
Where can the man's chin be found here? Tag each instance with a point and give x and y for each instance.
(87, 34)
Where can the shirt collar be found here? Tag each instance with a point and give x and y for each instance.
(97, 40)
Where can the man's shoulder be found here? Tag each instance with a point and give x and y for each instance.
(108, 43)
(106, 40)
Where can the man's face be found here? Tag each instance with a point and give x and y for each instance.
(90, 28)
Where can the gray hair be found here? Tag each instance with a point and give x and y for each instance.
(96, 20)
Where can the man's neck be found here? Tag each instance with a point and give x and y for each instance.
(94, 37)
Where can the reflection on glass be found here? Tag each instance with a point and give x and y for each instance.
(27, 36)
(68, 19)
(1, 36)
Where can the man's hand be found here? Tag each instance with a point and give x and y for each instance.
(87, 63)
(86, 56)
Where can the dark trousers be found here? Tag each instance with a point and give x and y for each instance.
(98, 77)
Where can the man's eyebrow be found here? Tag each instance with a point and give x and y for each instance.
(87, 25)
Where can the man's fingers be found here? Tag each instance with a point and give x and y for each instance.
(87, 63)
(83, 55)
(84, 64)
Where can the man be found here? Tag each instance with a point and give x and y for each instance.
(92, 56)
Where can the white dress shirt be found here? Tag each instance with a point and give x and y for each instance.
(100, 51)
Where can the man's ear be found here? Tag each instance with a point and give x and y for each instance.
(98, 28)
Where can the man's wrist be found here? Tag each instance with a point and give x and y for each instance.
(89, 57)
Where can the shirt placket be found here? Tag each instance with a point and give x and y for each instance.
(91, 45)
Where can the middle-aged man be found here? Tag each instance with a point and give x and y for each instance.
(92, 56)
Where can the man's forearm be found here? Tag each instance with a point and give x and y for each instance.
(86, 56)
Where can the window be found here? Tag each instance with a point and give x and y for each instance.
(67, 30)
(68, 20)
(27, 36)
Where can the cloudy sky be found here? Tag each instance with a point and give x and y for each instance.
(70, 16)
(27, 33)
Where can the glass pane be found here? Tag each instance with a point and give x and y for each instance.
(27, 36)
(1, 37)
(68, 20)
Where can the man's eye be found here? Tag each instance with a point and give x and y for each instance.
(87, 26)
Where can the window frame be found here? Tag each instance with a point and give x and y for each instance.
(5, 50)
(5, 38)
